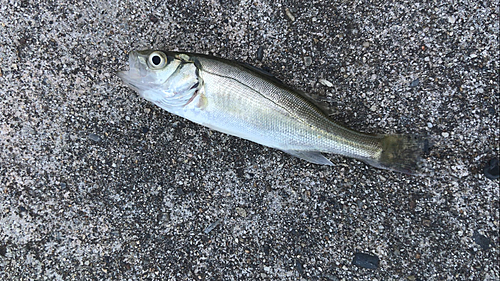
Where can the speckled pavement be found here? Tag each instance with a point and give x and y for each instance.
(98, 184)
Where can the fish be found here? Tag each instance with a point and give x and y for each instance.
(244, 101)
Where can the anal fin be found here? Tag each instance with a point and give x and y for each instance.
(311, 156)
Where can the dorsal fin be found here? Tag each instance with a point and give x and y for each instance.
(260, 71)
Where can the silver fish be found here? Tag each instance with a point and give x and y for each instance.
(243, 101)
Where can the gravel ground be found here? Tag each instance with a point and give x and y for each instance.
(98, 184)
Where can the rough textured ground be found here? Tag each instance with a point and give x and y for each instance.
(98, 184)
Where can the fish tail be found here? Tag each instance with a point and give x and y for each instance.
(401, 153)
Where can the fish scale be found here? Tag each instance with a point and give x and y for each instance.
(302, 125)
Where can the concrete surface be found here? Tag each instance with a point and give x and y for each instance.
(97, 184)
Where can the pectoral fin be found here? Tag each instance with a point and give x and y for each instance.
(311, 156)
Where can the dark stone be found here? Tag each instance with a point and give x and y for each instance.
(94, 137)
(366, 261)
(481, 240)
(299, 267)
(491, 110)
(491, 169)
(415, 83)
(260, 53)
(153, 18)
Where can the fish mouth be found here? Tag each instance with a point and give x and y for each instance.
(133, 73)
(128, 80)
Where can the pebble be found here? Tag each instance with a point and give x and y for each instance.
(491, 169)
(211, 226)
(94, 137)
(299, 267)
(153, 18)
(289, 14)
(415, 83)
(366, 44)
(445, 134)
(366, 261)
(481, 240)
(241, 212)
(307, 61)
(260, 53)
(326, 83)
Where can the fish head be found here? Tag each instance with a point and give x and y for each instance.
(148, 71)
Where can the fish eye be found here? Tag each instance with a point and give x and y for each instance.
(157, 60)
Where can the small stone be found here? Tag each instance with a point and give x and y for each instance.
(260, 53)
(481, 240)
(366, 261)
(326, 83)
(429, 124)
(241, 212)
(307, 61)
(94, 137)
(445, 134)
(153, 18)
(451, 19)
(366, 44)
(491, 169)
(289, 14)
(3, 250)
(299, 267)
(415, 83)
(211, 226)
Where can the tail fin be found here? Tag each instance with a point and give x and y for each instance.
(401, 153)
